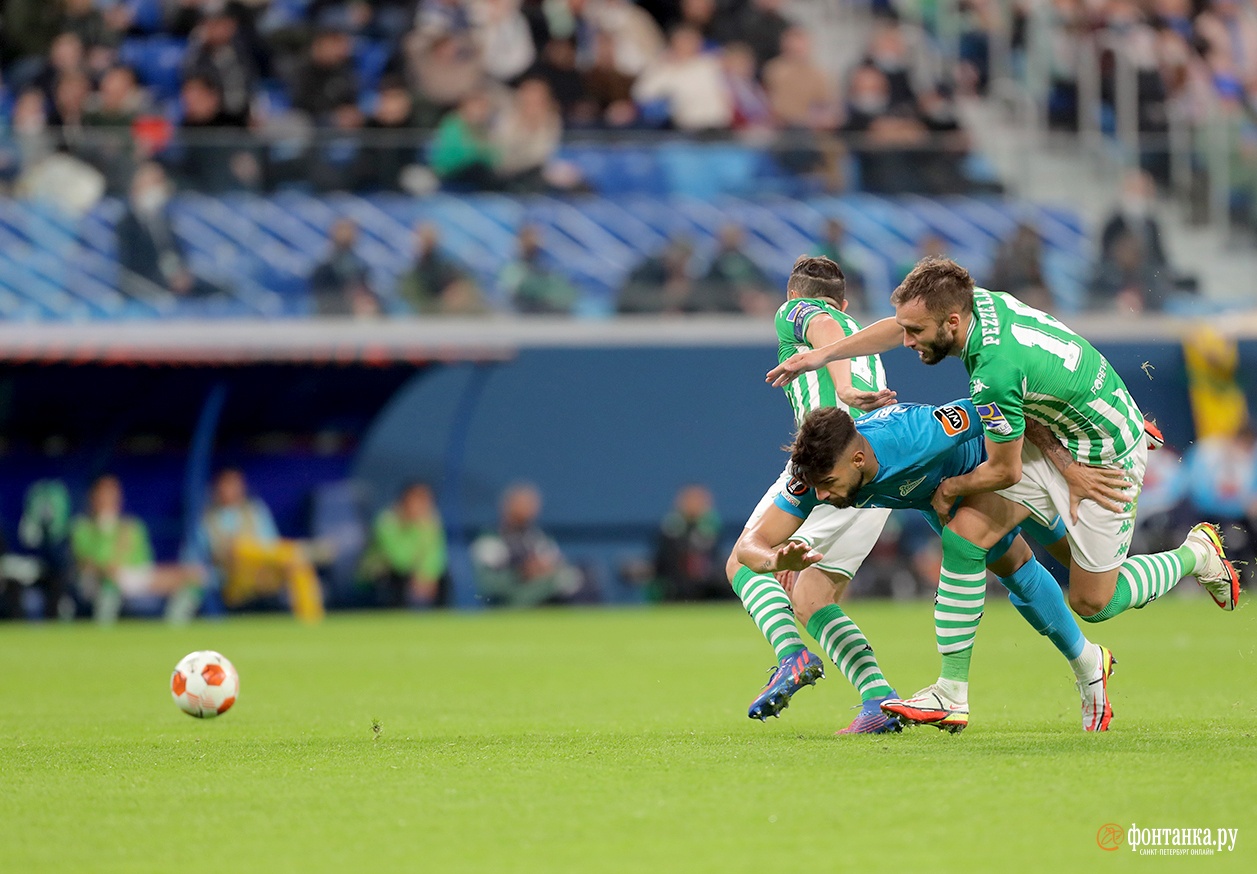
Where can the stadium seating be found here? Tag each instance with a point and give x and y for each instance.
(264, 248)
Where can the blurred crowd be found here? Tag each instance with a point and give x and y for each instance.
(99, 562)
(332, 95)
(1191, 60)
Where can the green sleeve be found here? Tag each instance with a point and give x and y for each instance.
(998, 391)
(390, 540)
(141, 548)
(83, 544)
(432, 559)
(794, 316)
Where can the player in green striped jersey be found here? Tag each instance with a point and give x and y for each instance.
(814, 315)
(1023, 362)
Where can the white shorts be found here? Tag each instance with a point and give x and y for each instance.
(1099, 540)
(135, 581)
(844, 536)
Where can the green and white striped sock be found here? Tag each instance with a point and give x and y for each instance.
(1143, 578)
(849, 649)
(769, 606)
(958, 606)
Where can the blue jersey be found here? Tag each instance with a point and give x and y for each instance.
(917, 446)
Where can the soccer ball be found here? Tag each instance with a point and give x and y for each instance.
(204, 684)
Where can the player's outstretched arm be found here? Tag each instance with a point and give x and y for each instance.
(1107, 486)
(823, 330)
(876, 338)
(766, 548)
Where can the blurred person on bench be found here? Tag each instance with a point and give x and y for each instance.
(406, 561)
(244, 545)
(114, 559)
(519, 565)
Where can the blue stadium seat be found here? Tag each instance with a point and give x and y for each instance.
(157, 61)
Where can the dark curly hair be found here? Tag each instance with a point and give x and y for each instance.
(823, 436)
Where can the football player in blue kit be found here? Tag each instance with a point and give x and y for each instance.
(895, 458)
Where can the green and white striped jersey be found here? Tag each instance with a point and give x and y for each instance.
(1023, 362)
(816, 389)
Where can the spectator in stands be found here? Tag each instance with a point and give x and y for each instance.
(1222, 486)
(802, 95)
(734, 283)
(218, 53)
(406, 561)
(1228, 29)
(341, 284)
(532, 284)
(1133, 272)
(30, 26)
(461, 153)
(445, 69)
(208, 156)
(89, 24)
(1018, 268)
(890, 53)
(892, 141)
(832, 245)
(150, 254)
(110, 113)
(637, 39)
(526, 136)
(691, 84)
(606, 95)
(115, 560)
(662, 283)
(390, 150)
(687, 564)
(760, 24)
(557, 67)
(504, 38)
(519, 565)
(752, 106)
(32, 140)
(326, 79)
(239, 535)
(65, 58)
(436, 284)
(700, 15)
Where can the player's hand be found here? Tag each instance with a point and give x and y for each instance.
(942, 501)
(796, 364)
(795, 556)
(787, 579)
(868, 401)
(1107, 486)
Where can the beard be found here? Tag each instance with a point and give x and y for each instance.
(844, 502)
(943, 346)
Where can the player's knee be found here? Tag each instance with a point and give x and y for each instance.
(1084, 604)
(732, 564)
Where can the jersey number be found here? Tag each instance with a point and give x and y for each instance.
(1068, 351)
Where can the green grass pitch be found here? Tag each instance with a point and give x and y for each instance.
(610, 741)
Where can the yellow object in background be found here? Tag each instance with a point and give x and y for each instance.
(1219, 407)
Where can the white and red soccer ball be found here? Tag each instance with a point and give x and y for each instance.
(205, 684)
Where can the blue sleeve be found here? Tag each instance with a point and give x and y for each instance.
(266, 531)
(796, 499)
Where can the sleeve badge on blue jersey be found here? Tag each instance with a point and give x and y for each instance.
(796, 487)
(799, 316)
(955, 420)
(993, 420)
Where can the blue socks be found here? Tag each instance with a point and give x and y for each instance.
(1038, 598)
